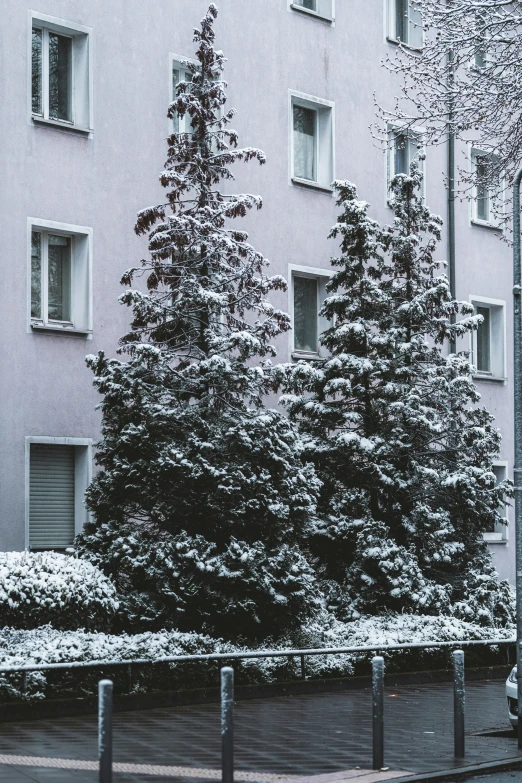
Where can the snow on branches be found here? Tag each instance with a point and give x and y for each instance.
(203, 503)
(393, 427)
(466, 81)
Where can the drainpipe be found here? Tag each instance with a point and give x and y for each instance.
(451, 192)
(517, 471)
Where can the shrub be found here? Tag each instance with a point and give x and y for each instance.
(47, 645)
(47, 587)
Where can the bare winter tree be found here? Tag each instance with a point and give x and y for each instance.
(465, 80)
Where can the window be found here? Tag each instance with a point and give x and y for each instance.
(60, 277)
(498, 533)
(306, 307)
(58, 473)
(60, 73)
(404, 147)
(321, 8)
(311, 141)
(488, 341)
(405, 23)
(179, 73)
(480, 59)
(486, 197)
(308, 291)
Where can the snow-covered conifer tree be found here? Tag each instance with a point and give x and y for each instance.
(203, 501)
(393, 426)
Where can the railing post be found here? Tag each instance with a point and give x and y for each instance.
(303, 668)
(378, 711)
(105, 730)
(459, 699)
(227, 724)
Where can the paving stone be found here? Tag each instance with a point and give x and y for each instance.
(301, 735)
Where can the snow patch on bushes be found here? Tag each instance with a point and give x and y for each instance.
(37, 588)
(48, 645)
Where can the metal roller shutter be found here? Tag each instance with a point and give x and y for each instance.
(51, 496)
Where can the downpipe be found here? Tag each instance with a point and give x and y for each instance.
(517, 470)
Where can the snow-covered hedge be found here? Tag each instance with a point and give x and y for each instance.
(47, 645)
(47, 587)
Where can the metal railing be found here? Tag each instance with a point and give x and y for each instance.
(247, 655)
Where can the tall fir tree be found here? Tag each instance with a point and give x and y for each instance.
(393, 426)
(202, 502)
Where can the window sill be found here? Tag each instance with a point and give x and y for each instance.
(485, 224)
(489, 378)
(308, 183)
(395, 42)
(307, 356)
(309, 12)
(40, 327)
(67, 126)
(494, 540)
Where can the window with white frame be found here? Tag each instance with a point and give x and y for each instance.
(488, 341)
(404, 147)
(308, 291)
(58, 473)
(60, 73)
(405, 23)
(311, 141)
(498, 532)
(60, 276)
(321, 8)
(486, 197)
(179, 73)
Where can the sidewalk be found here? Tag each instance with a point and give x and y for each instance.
(283, 737)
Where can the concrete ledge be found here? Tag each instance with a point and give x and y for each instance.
(462, 772)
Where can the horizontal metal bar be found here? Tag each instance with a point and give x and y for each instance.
(255, 654)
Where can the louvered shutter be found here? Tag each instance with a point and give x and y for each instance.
(51, 496)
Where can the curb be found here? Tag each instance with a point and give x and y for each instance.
(461, 773)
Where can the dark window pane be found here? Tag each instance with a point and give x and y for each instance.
(310, 4)
(401, 20)
(482, 192)
(60, 77)
(480, 58)
(59, 306)
(175, 81)
(305, 122)
(305, 314)
(500, 475)
(36, 63)
(484, 340)
(401, 154)
(36, 274)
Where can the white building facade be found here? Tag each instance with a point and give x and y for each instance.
(83, 128)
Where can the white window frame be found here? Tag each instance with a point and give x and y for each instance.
(497, 339)
(81, 279)
(177, 59)
(325, 140)
(393, 131)
(500, 536)
(391, 31)
(82, 73)
(325, 10)
(322, 276)
(82, 476)
(474, 153)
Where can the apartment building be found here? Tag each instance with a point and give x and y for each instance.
(85, 92)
